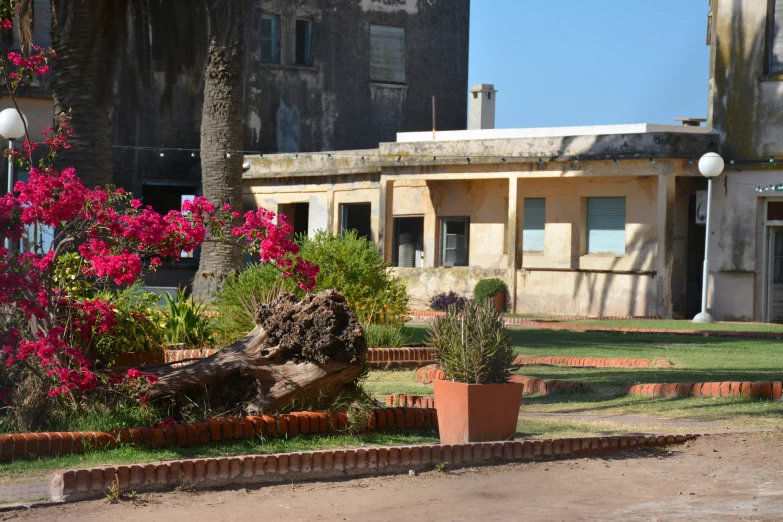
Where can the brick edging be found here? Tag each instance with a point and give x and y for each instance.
(761, 390)
(587, 362)
(531, 385)
(182, 355)
(81, 484)
(24, 445)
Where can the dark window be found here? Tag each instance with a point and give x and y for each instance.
(356, 216)
(775, 42)
(408, 250)
(775, 211)
(270, 38)
(298, 216)
(304, 42)
(456, 232)
(387, 54)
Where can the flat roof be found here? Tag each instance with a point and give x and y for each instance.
(547, 132)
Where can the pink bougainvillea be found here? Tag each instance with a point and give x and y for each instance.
(114, 236)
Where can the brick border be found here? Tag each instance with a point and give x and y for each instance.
(183, 355)
(88, 483)
(760, 390)
(590, 362)
(404, 357)
(24, 445)
(532, 385)
(404, 400)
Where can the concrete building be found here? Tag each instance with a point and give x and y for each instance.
(581, 221)
(746, 112)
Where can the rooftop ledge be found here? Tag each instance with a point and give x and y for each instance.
(547, 132)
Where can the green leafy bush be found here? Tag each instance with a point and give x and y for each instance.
(472, 345)
(382, 336)
(186, 323)
(352, 265)
(140, 324)
(486, 288)
(239, 297)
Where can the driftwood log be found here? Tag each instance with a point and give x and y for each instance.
(299, 349)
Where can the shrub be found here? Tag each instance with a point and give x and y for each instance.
(486, 288)
(240, 295)
(381, 336)
(186, 323)
(353, 266)
(140, 326)
(442, 301)
(472, 345)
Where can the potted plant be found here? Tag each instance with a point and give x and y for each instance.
(475, 402)
(494, 289)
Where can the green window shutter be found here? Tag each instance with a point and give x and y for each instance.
(387, 54)
(533, 235)
(776, 39)
(606, 226)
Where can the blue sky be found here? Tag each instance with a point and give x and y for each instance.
(591, 62)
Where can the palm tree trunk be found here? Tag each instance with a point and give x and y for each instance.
(221, 140)
(74, 75)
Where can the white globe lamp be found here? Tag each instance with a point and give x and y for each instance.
(711, 166)
(12, 124)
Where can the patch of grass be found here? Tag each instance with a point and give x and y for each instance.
(129, 454)
(682, 325)
(382, 383)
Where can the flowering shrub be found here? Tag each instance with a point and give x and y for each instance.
(442, 301)
(48, 322)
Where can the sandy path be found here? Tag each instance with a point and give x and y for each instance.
(719, 478)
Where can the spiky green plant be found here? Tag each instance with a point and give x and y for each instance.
(186, 322)
(473, 346)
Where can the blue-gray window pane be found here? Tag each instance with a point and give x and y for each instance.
(533, 233)
(270, 39)
(606, 225)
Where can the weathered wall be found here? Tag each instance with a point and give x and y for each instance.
(423, 283)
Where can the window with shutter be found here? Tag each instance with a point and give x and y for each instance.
(455, 241)
(533, 231)
(270, 38)
(304, 42)
(606, 226)
(387, 54)
(775, 43)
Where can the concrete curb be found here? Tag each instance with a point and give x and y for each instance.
(90, 483)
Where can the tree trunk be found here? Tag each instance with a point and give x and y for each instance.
(306, 350)
(74, 86)
(222, 139)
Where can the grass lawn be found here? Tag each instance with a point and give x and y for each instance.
(681, 325)
(696, 359)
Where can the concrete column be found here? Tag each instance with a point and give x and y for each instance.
(330, 226)
(665, 261)
(512, 241)
(385, 217)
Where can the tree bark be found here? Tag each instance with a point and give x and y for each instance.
(305, 349)
(222, 139)
(74, 86)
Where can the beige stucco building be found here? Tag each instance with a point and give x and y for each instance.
(579, 221)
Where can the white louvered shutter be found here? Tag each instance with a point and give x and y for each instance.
(606, 226)
(533, 234)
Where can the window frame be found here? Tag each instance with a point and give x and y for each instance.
(769, 43)
(309, 55)
(387, 80)
(525, 224)
(588, 228)
(274, 40)
(344, 207)
(443, 249)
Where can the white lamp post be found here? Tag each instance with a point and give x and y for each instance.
(12, 128)
(711, 166)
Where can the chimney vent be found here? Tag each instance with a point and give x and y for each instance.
(482, 106)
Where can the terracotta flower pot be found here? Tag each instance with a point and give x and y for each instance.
(476, 412)
(499, 300)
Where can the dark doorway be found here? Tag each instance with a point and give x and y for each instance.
(356, 216)
(298, 216)
(408, 248)
(695, 262)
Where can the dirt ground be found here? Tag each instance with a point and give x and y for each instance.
(725, 477)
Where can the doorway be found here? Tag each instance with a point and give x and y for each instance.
(408, 248)
(775, 275)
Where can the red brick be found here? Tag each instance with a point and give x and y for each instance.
(405, 455)
(338, 459)
(67, 443)
(82, 480)
(239, 429)
(380, 418)
(123, 476)
(192, 434)
(211, 469)
(327, 458)
(734, 391)
(696, 390)
(342, 421)
(399, 417)
(226, 429)
(162, 474)
(136, 475)
(150, 474)
(271, 464)
(361, 458)
(147, 437)
(745, 389)
(248, 430)
(282, 425)
(766, 389)
(304, 422)
(323, 422)
(182, 435)
(418, 418)
(158, 438)
(136, 436)
(214, 429)
(725, 389)
(293, 425)
(755, 389)
(350, 459)
(383, 457)
(537, 449)
(777, 389)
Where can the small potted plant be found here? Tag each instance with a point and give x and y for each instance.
(494, 289)
(475, 402)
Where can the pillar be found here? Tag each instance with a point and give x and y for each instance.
(512, 241)
(385, 217)
(665, 261)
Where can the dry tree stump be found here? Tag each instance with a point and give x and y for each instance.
(299, 349)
